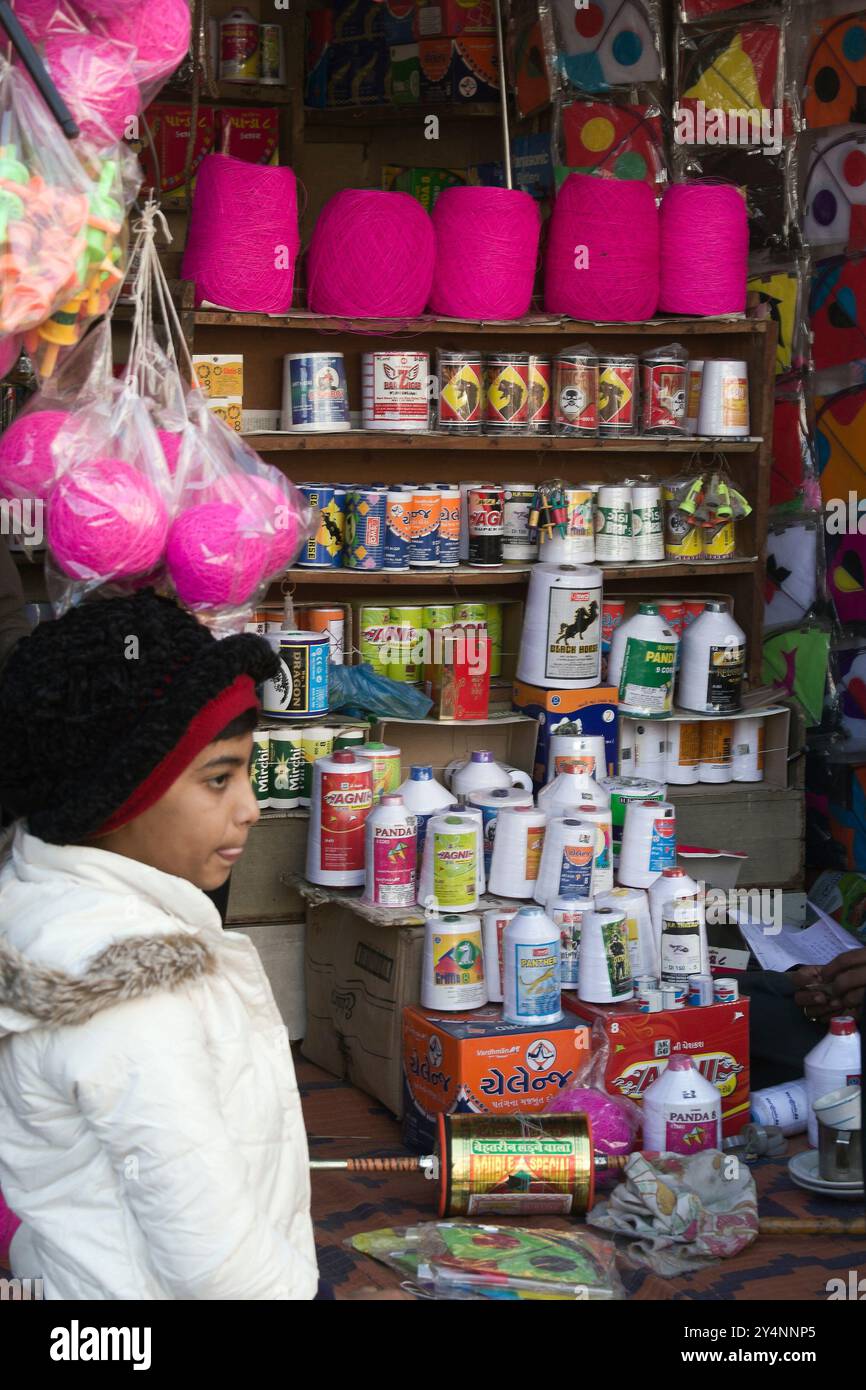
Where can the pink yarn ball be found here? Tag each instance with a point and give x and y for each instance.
(243, 237)
(106, 521)
(278, 515)
(35, 16)
(612, 1132)
(170, 442)
(500, 227)
(371, 256)
(603, 251)
(92, 75)
(27, 465)
(158, 30)
(10, 350)
(106, 8)
(212, 561)
(704, 250)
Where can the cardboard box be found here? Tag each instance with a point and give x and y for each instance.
(357, 19)
(455, 17)
(716, 1037)
(765, 823)
(435, 58)
(405, 75)
(170, 127)
(510, 738)
(475, 69)
(229, 409)
(219, 375)
(359, 977)
(357, 71)
(594, 710)
(459, 685)
(250, 132)
(475, 1062)
(320, 38)
(281, 948)
(423, 184)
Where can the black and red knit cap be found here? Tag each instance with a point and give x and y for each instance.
(102, 710)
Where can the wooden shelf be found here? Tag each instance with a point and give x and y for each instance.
(377, 115)
(505, 443)
(509, 576)
(539, 324)
(232, 94)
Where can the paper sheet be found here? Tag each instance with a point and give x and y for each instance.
(817, 945)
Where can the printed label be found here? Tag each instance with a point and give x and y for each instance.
(726, 674)
(347, 799)
(614, 521)
(735, 403)
(576, 396)
(536, 977)
(615, 938)
(400, 387)
(575, 871)
(454, 868)
(458, 960)
(603, 846)
(580, 518)
(569, 924)
(690, 745)
(461, 393)
(715, 743)
(688, 1131)
(286, 770)
(647, 680)
(394, 865)
(616, 397)
(534, 846)
(663, 847)
(573, 634)
(508, 395)
(539, 391)
(680, 951)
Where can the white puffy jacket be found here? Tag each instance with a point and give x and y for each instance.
(151, 1135)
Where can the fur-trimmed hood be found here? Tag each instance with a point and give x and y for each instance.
(82, 929)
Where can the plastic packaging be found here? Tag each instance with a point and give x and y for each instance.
(359, 691)
(616, 1120)
(831, 1065)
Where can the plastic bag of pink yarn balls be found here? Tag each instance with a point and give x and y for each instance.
(157, 31)
(615, 1120)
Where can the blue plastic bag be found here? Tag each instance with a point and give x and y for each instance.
(360, 691)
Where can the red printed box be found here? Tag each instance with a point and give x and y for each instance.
(715, 1036)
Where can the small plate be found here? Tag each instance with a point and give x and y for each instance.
(803, 1168)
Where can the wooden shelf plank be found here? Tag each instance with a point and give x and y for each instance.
(330, 116)
(511, 443)
(509, 576)
(542, 324)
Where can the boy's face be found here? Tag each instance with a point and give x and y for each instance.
(198, 829)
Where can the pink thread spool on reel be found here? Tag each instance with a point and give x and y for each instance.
(704, 250)
(27, 464)
(602, 258)
(213, 559)
(486, 253)
(371, 256)
(106, 521)
(243, 237)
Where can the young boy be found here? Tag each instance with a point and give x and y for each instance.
(151, 1136)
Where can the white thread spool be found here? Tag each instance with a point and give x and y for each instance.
(391, 843)
(531, 975)
(452, 855)
(600, 817)
(475, 813)
(671, 884)
(560, 645)
(585, 750)
(717, 763)
(342, 798)
(748, 750)
(650, 747)
(567, 860)
(647, 522)
(385, 759)
(517, 851)
(493, 928)
(614, 541)
(649, 842)
(570, 789)
(682, 753)
(683, 949)
(694, 378)
(712, 662)
(490, 803)
(623, 790)
(453, 974)
(641, 663)
(627, 760)
(604, 967)
(567, 914)
(724, 409)
(634, 902)
(577, 546)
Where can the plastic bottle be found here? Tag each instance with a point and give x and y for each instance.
(641, 664)
(831, 1065)
(670, 884)
(682, 1111)
(391, 848)
(530, 954)
(713, 662)
(424, 797)
(569, 789)
(683, 949)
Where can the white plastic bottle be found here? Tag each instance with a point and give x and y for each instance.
(391, 848)
(713, 662)
(571, 788)
(670, 884)
(643, 653)
(424, 797)
(831, 1065)
(682, 1111)
(683, 949)
(530, 954)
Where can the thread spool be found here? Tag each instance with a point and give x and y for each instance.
(682, 753)
(627, 760)
(240, 213)
(394, 391)
(703, 249)
(316, 742)
(560, 644)
(622, 791)
(452, 978)
(107, 521)
(517, 850)
(371, 256)
(506, 391)
(604, 968)
(670, 885)
(647, 522)
(426, 516)
(786, 1107)
(650, 749)
(300, 689)
(617, 395)
(531, 975)
(641, 663)
(517, 548)
(571, 788)
(747, 750)
(490, 802)
(501, 228)
(285, 767)
(453, 853)
(683, 949)
(600, 817)
(713, 662)
(567, 914)
(634, 902)
(694, 379)
(568, 859)
(586, 752)
(474, 814)
(342, 798)
(493, 929)
(717, 763)
(577, 546)
(315, 394)
(649, 842)
(575, 392)
(602, 261)
(391, 841)
(364, 545)
(614, 542)
(384, 758)
(724, 409)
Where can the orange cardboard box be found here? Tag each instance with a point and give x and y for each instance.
(716, 1036)
(473, 1062)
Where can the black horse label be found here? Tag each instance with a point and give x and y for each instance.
(573, 634)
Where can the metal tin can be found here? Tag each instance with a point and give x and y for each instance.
(324, 549)
(515, 1165)
(240, 54)
(682, 536)
(407, 625)
(671, 609)
(486, 525)
(540, 404)
(394, 391)
(449, 527)
(300, 687)
(398, 530)
(663, 395)
(332, 622)
(617, 395)
(719, 542)
(669, 996)
(701, 990)
(612, 614)
(424, 535)
(506, 377)
(273, 61)
(726, 991)
(365, 529)
(575, 394)
(315, 394)
(643, 986)
(470, 613)
(460, 405)
(517, 505)
(681, 993)
(652, 1002)
(374, 637)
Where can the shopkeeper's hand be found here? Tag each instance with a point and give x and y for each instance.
(812, 995)
(845, 978)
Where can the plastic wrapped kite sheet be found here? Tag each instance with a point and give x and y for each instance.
(608, 45)
(531, 49)
(833, 188)
(794, 558)
(730, 83)
(692, 11)
(837, 311)
(834, 68)
(776, 291)
(840, 437)
(793, 476)
(768, 182)
(613, 139)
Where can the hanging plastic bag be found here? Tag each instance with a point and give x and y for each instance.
(615, 1120)
(360, 691)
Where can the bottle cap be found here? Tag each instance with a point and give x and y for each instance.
(392, 799)
(843, 1026)
(715, 606)
(651, 608)
(482, 755)
(344, 755)
(377, 746)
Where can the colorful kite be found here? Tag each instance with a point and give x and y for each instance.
(776, 296)
(835, 79)
(837, 311)
(735, 68)
(608, 43)
(840, 442)
(623, 142)
(834, 192)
